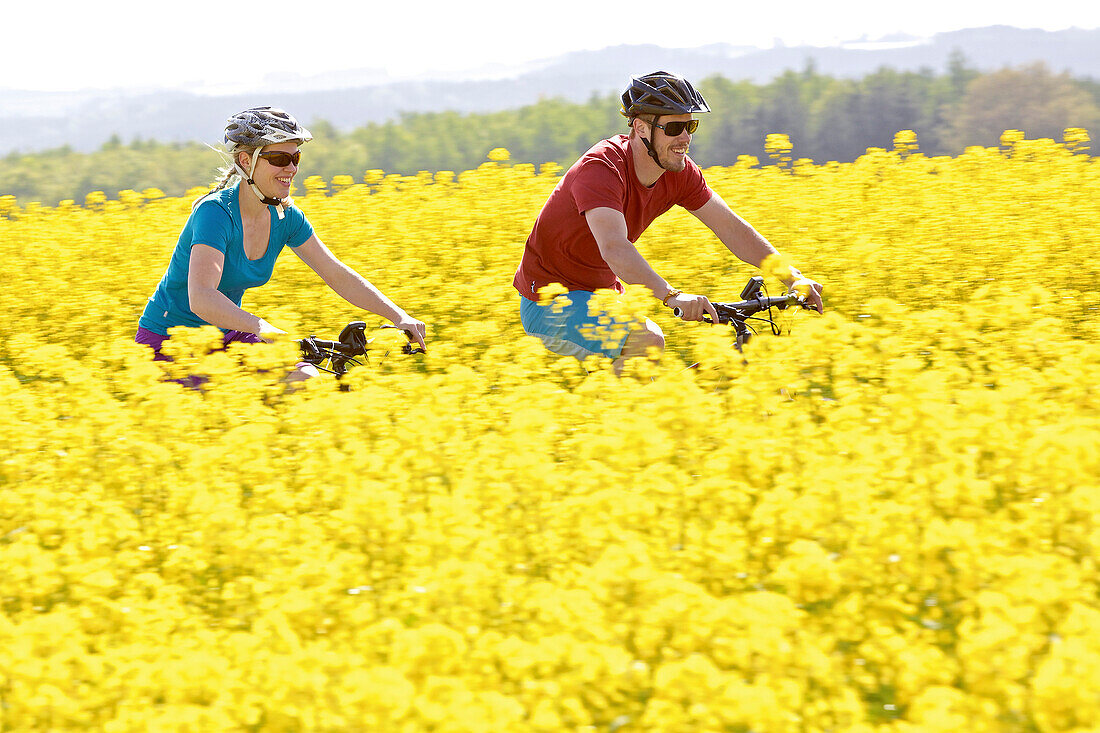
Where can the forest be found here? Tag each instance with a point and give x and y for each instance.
(825, 118)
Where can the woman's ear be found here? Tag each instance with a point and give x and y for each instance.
(243, 160)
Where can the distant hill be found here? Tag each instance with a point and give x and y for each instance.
(31, 121)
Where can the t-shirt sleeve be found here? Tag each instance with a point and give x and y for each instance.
(598, 184)
(299, 229)
(212, 226)
(695, 192)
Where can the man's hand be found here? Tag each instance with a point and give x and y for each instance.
(810, 290)
(692, 307)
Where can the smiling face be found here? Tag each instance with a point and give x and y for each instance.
(272, 180)
(671, 151)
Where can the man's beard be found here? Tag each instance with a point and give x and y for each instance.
(672, 162)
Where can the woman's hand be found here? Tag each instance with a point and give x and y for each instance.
(269, 333)
(414, 328)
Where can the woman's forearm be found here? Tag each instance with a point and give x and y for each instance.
(357, 290)
(215, 308)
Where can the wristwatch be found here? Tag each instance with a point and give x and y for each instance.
(672, 293)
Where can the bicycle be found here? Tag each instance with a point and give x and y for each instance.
(754, 300)
(336, 357)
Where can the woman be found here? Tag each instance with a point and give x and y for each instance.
(234, 235)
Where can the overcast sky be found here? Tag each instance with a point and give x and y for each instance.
(74, 45)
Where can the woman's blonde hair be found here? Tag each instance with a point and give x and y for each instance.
(227, 174)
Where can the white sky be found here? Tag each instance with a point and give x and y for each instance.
(76, 44)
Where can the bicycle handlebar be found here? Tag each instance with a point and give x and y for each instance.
(352, 342)
(742, 309)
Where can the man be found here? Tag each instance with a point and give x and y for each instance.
(584, 236)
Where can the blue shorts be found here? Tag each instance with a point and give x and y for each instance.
(566, 326)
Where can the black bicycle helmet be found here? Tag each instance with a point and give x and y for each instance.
(662, 93)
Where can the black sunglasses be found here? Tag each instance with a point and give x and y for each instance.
(279, 159)
(673, 129)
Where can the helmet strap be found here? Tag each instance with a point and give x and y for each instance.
(649, 147)
(279, 204)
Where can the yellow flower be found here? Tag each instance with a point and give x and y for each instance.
(882, 518)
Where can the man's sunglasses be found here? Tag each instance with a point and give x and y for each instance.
(279, 159)
(673, 129)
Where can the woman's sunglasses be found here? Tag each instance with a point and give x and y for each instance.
(673, 129)
(279, 159)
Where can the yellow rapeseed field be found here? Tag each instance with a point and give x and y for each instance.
(885, 519)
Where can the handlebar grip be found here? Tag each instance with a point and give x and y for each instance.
(338, 346)
(679, 312)
(408, 348)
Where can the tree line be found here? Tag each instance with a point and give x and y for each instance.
(826, 118)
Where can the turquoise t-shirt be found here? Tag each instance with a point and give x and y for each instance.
(216, 222)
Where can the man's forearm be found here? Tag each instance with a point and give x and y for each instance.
(745, 242)
(739, 237)
(629, 266)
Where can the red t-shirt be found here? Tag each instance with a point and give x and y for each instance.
(561, 248)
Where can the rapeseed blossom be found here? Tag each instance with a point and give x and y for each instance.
(884, 519)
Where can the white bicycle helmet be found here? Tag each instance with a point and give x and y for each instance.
(261, 126)
(255, 128)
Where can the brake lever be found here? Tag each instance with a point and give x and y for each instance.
(804, 303)
(309, 348)
(408, 348)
